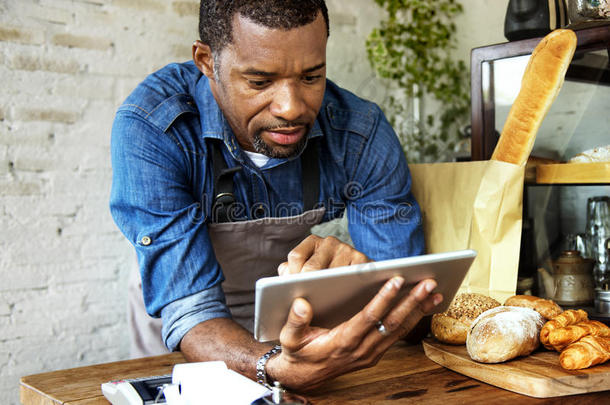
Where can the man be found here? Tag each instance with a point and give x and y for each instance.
(223, 164)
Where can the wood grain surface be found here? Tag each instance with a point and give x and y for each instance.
(403, 376)
(538, 375)
(82, 385)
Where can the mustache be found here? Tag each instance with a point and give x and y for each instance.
(281, 124)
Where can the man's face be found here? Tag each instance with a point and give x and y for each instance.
(270, 84)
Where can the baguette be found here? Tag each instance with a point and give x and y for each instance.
(452, 325)
(562, 337)
(540, 85)
(547, 308)
(503, 333)
(587, 352)
(569, 317)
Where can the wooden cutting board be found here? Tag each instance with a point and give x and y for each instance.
(537, 375)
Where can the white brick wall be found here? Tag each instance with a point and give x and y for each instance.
(65, 65)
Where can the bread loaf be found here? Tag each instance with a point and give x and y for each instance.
(587, 352)
(547, 308)
(569, 317)
(503, 333)
(595, 155)
(560, 338)
(540, 85)
(452, 325)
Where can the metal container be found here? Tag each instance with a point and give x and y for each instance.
(588, 10)
(598, 228)
(601, 271)
(573, 279)
(602, 302)
(575, 241)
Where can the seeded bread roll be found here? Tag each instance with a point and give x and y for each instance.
(540, 85)
(503, 333)
(452, 325)
(547, 308)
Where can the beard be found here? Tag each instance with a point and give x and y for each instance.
(279, 152)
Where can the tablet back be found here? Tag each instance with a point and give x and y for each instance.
(338, 294)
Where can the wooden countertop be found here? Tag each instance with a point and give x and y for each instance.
(403, 376)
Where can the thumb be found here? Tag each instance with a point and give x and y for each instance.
(295, 330)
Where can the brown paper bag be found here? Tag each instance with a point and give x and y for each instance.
(474, 205)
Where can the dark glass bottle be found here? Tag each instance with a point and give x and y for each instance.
(533, 18)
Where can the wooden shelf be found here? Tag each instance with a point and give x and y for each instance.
(573, 173)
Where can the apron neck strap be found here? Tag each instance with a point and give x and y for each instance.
(310, 174)
(224, 190)
(224, 196)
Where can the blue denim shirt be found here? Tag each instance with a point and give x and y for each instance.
(162, 187)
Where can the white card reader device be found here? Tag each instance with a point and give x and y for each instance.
(137, 391)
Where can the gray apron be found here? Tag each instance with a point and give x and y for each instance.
(245, 250)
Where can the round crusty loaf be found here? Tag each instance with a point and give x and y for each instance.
(542, 80)
(503, 333)
(452, 325)
(547, 308)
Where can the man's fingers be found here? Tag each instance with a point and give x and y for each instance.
(299, 255)
(294, 333)
(377, 308)
(405, 315)
(324, 254)
(360, 333)
(316, 253)
(399, 320)
(359, 258)
(345, 255)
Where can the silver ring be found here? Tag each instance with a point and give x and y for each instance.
(382, 329)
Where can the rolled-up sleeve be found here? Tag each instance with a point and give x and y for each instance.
(153, 205)
(182, 315)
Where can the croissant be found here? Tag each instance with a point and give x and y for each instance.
(568, 317)
(560, 338)
(587, 352)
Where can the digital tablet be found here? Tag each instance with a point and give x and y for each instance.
(338, 294)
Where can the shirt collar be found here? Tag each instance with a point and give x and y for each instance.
(210, 116)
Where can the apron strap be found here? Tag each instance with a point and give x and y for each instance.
(224, 197)
(224, 192)
(310, 169)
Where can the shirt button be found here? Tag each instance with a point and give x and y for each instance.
(260, 211)
(146, 240)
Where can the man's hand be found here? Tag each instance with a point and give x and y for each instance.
(315, 253)
(312, 355)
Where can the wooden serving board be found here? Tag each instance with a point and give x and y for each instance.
(537, 375)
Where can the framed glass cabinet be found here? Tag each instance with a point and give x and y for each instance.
(557, 192)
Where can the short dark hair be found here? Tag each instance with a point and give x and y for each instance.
(216, 17)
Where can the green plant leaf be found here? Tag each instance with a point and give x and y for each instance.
(411, 48)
